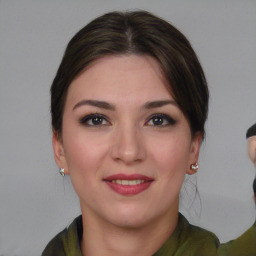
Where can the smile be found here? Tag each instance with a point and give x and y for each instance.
(128, 184)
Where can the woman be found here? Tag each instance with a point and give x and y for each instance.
(129, 103)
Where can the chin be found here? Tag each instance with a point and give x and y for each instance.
(130, 222)
(129, 216)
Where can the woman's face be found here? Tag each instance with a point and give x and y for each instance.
(125, 143)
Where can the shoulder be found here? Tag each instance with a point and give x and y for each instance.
(189, 240)
(243, 245)
(198, 240)
(67, 242)
(56, 246)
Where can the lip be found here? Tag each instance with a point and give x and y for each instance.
(128, 189)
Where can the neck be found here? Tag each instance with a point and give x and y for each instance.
(102, 238)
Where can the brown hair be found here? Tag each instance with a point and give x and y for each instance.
(140, 33)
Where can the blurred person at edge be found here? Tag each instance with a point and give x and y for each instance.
(248, 239)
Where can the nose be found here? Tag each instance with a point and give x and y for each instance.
(128, 146)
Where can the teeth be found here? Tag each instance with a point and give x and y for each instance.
(128, 182)
(132, 182)
(125, 182)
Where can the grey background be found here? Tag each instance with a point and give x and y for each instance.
(35, 201)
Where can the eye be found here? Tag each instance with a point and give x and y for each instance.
(94, 120)
(160, 120)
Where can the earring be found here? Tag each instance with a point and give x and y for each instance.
(194, 167)
(62, 172)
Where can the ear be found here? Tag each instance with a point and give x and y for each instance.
(59, 153)
(194, 152)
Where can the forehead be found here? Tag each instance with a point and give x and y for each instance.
(121, 76)
(252, 139)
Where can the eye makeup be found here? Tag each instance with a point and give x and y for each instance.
(94, 119)
(160, 120)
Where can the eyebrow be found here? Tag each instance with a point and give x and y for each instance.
(108, 106)
(95, 103)
(158, 104)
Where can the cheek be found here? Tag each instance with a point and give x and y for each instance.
(254, 153)
(171, 156)
(84, 153)
(85, 156)
(170, 160)
(252, 150)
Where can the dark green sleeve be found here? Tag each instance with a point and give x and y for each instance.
(245, 245)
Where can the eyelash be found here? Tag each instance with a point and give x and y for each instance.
(85, 120)
(165, 120)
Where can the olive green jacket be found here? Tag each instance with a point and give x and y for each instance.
(187, 240)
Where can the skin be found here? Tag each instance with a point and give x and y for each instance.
(127, 141)
(252, 148)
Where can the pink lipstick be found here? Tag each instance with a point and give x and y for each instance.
(128, 184)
